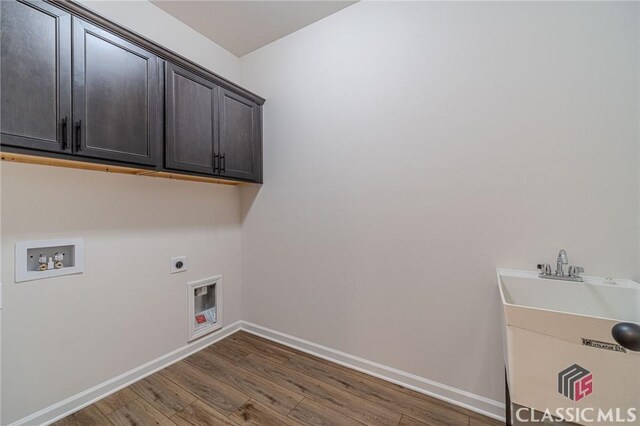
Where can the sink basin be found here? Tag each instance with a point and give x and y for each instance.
(595, 297)
(553, 327)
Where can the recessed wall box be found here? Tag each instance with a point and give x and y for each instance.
(69, 251)
(204, 301)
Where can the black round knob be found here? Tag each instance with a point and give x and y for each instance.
(179, 264)
(627, 335)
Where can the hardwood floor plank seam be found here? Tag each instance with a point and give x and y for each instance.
(320, 392)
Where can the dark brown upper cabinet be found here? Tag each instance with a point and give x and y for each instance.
(75, 86)
(240, 137)
(210, 129)
(115, 97)
(35, 69)
(191, 121)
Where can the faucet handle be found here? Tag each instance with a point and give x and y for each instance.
(575, 271)
(545, 268)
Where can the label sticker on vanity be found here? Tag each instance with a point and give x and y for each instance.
(200, 319)
(603, 345)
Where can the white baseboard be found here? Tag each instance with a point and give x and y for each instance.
(461, 398)
(441, 391)
(72, 404)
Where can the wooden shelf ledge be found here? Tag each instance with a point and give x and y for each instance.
(59, 162)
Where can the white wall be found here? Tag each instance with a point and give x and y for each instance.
(413, 147)
(64, 335)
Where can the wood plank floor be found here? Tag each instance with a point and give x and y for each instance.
(246, 380)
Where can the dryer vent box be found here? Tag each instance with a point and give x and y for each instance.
(204, 300)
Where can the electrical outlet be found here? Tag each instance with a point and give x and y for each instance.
(178, 264)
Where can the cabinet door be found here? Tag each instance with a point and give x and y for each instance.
(240, 145)
(191, 121)
(35, 69)
(115, 97)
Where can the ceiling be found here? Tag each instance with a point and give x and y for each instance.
(244, 26)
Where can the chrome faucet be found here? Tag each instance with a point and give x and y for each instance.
(562, 260)
(573, 274)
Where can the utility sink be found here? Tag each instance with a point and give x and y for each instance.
(560, 350)
(614, 299)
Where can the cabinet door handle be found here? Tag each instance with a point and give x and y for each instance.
(65, 141)
(223, 163)
(79, 135)
(216, 158)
